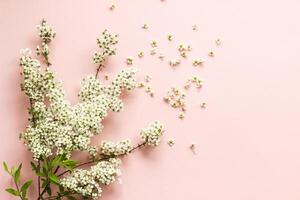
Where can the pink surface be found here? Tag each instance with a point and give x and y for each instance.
(247, 138)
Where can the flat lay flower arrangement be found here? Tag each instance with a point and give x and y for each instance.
(56, 129)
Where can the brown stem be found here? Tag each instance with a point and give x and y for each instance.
(104, 158)
(17, 187)
(89, 162)
(98, 70)
(138, 146)
(39, 182)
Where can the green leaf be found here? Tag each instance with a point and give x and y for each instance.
(44, 170)
(23, 194)
(71, 198)
(33, 166)
(49, 191)
(42, 174)
(13, 171)
(18, 173)
(5, 167)
(53, 178)
(12, 191)
(56, 161)
(61, 189)
(44, 182)
(69, 164)
(45, 166)
(26, 185)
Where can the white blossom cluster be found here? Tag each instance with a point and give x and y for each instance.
(109, 148)
(32, 85)
(46, 33)
(106, 43)
(152, 134)
(88, 182)
(57, 125)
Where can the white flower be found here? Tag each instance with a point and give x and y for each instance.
(106, 43)
(57, 127)
(46, 32)
(108, 148)
(87, 182)
(152, 134)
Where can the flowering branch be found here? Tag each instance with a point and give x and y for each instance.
(103, 158)
(106, 43)
(56, 129)
(46, 34)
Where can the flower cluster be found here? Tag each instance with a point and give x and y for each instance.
(106, 43)
(175, 97)
(88, 182)
(56, 129)
(152, 134)
(60, 126)
(32, 84)
(46, 32)
(108, 148)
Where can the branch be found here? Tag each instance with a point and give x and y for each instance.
(90, 162)
(98, 70)
(17, 187)
(104, 158)
(39, 182)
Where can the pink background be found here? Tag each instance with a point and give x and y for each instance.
(247, 138)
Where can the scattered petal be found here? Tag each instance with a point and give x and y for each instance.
(129, 61)
(171, 142)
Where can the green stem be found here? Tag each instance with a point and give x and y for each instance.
(17, 187)
(89, 162)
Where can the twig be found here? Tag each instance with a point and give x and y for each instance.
(18, 189)
(98, 70)
(39, 182)
(104, 158)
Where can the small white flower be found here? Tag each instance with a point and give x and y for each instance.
(197, 61)
(171, 142)
(211, 54)
(141, 54)
(145, 26)
(129, 61)
(174, 62)
(25, 52)
(152, 134)
(218, 41)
